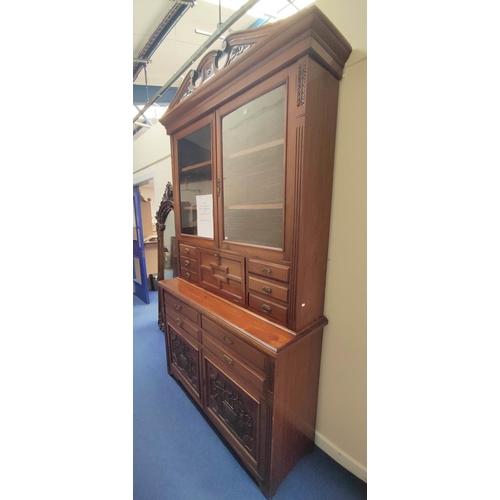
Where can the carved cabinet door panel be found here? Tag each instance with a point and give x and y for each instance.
(184, 361)
(238, 415)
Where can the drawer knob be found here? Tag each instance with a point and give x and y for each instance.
(266, 270)
(227, 340)
(178, 307)
(178, 321)
(186, 250)
(266, 289)
(188, 274)
(228, 359)
(266, 308)
(186, 262)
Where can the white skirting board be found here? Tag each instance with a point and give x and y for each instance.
(340, 456)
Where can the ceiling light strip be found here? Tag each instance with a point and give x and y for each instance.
(215, 35)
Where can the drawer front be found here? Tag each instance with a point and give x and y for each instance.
(233, 410)
(234, 366)
(189, 275)
(269, 270)
(223, 274)
(188, 263)
(183, 308)
(187, 251)
(267, 287)
(185, 362)
(268, 308)
(235, 345)
(181, 321)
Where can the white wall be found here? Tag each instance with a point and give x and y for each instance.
(151, 154)
(341, 422)
(342, 409)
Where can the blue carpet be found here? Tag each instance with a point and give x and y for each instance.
(177, 454)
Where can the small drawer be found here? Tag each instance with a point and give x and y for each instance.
(234, 365)
(183, 308)
(187, 251)
(190, 275)
(188, 263)
(246, 352)
(269, 270)
(268, 287)
(181, 321)
(268, 308)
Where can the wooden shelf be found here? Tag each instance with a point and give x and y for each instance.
(197, 165)
(270, 206)
(191, 208)
(256, 149)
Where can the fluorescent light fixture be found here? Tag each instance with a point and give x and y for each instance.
(276, 9)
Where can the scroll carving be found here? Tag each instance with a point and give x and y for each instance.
(236, 52)
(166, 206)
(210, 65)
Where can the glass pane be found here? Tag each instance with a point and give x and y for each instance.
(134, 218)
(195, 181)
(253, 171)
(137, 270)
(169, 248)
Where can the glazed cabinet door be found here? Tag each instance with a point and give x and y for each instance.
(252, 135)
(194, 180)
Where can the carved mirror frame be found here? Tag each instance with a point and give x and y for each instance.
(166, 206)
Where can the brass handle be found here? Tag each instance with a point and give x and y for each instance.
(266, 289)
(186, 262)
(178, 321)
(227, 340)
(186, 250)
(266, 308)
(188, 274)
(266, 270)
(228, 359)
(178, 307)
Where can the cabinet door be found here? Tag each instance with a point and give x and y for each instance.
(184, 361)
(223, 274)
(235, 413)
(253, 169)
(194, 177)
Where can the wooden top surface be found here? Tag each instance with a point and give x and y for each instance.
(259, 331)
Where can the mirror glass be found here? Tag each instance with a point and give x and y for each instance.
(169, 248)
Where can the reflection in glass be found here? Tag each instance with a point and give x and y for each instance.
(253, 138)
(135, 237)
(137, 270)
(170, 267)
(195, 177)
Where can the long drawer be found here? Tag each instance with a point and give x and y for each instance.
(183, 308)
(233, 365)
(183, 322)
(235, 345)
